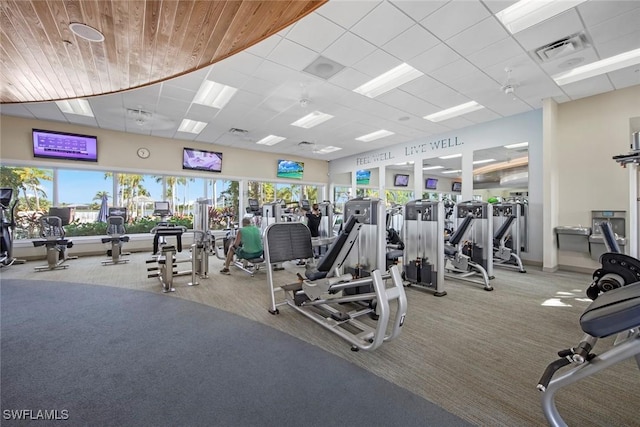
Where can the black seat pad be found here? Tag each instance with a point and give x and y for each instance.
(450, 250)
(394, 254)
(612, 312)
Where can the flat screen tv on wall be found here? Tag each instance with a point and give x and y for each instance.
(431, 184)
(363, 177)
(201, 160)
(290, 169)
(456, 186)
(49, 144)
(401, 180)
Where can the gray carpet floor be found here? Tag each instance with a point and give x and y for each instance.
(118, 357)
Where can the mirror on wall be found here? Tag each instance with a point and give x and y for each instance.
(442, 175)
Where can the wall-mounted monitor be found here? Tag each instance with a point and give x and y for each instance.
(290, 169)
(201, 160)
(363, 177)
(400, 180)
(456, 186)
(67, 146)
(431, 184)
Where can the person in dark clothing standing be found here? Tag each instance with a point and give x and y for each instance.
(313, 220)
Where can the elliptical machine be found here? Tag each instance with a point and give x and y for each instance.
(8, 224)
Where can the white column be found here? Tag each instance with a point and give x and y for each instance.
(418, 180)
(56, 183)
(382, 184)
(467, 176)
(550, 199)
(353, 185)
(244, 196)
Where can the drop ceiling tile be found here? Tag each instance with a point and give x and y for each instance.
(172, 107)
(292, 55)
(434, 58)
(377, 63)
(349, 49)
(315, 32)
(568, 62)
(444, 97)
(146, 96)
(454, 17)
(46, 111)
(477, 37)
(620, 45)
(457, 122)
(616, 27)
(406, 102)
(482, 116)
(411, 43)
(522, 67)
(551, 30)
(561, 99)
(473, 83)
(276, 73)
(17, 110)
(176, 93)
(453, 71)
(418, 10)
(258, 86)
(588, 87)
(190, 81)
(346, 13)
(202, 113)
(595, 12)
(349, 78)
(382, 24)
(164, 133)
(228, 76)
(626, 77)
(82, 120)
(265, 47)
(506, 106)
(496, 6)
(496, 53)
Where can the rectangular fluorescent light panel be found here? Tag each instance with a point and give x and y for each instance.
(518, 145)
(327, 149)
(479, 162)
(270, 140)
(527, 13)
(430, 168)
(311, 120)
(191, 126)
(374, 135)
(455, 171)
(214, 94)
(80, 107)
(393, 78)
(450, 156)
(452, 112)
(613, 63)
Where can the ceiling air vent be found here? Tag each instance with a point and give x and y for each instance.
(563, 47)
(323, 67)
(306, 144)
(238, 132)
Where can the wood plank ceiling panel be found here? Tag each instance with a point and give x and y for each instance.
(145, 41)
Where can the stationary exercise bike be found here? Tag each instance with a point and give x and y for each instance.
(8, 224)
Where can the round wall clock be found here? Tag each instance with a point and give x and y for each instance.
(143, 153)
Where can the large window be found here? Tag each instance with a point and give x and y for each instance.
(83, 191)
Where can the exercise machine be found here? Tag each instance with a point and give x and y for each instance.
(614, 311)
(423, 257)
(249, 266)
(116, 231)
(53, 238)
(631, 161)
(458, 263)
(8, 224)
(365, 320)
(370, 251)
(506, 239)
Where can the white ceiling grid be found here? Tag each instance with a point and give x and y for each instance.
(459, 45)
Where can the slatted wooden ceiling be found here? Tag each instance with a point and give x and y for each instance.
(145, 41)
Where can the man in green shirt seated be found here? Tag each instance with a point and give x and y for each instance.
(247, 244)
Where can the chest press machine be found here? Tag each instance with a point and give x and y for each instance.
(365, 320)
(615, 311)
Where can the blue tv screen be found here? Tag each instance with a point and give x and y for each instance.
(290, 169)
(431, 184)
(363, 177)
(401, 180)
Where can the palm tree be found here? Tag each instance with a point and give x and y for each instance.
(100, 194)
(31, 179)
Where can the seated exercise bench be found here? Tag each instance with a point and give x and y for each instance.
(502, 255)
(323, 297)
(52, 231)
(458, 265)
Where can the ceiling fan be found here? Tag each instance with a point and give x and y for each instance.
(510, 85)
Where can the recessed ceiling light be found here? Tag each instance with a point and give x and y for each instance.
(271, 140)
(451, 156)
(374, 135)
(479, 162)
(80, 107)
(455, 171)
(393, 78)
(327, 149)
(86, 32)
(452, 112)
(312, 119)
(623, 60)
(527, 13)
(191, 126)
(429, 168)
(517, 145)
(214, 94)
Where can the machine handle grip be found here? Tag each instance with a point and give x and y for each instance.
(544, 381)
